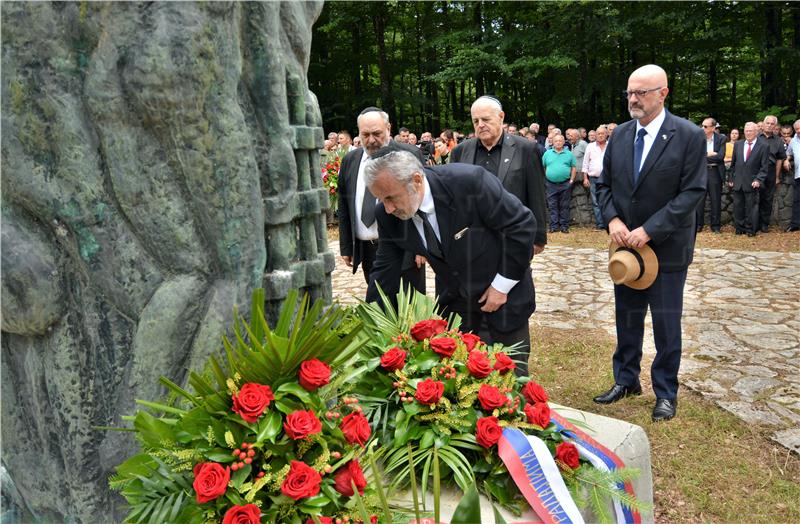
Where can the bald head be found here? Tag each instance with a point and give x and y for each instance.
(647, 90)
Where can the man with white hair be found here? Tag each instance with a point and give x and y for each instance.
(654, 175)
(476, 236)
(358, 231)
(794, 152)
(514, 160)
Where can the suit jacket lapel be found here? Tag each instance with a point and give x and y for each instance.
(659, 144)
(624, 141)
(468, 155)
(442, 202)
(352, 195)
(506, 157)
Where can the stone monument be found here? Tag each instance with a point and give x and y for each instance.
(159, 162)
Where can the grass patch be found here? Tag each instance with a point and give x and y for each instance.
(708, 466)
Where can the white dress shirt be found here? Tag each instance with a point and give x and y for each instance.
(652, 133)
(593, 159)
(500, 283)
(363, 232)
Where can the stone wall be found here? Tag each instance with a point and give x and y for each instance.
(159, 162)
(581, 206)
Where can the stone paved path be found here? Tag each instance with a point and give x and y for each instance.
(741, 324)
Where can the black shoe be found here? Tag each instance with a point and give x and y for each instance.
(751, 234)
(665, 409)
(618, 392)
(739, 232)
(552, 230)
(792, 228)
(716, 231)
(700, 228)
(764, 229)
(565, 230)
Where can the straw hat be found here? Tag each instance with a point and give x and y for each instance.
(634, 267)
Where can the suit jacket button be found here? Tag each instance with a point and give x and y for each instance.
(633, 200)
(455, 273)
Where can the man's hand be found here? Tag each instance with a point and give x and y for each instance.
(348, 260)
(756, 184)
(420, 261)
(586, 180)
(711, 153)
(492, 300)
(618, 231)
(637, 238)
(538, 248)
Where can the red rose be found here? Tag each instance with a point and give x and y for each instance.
(350, 472)
(534, 393)
(491, 398)
(252, 400)
(322, 520)
(428, 328)
(301, 424)
(393, 359)
(470, 340)
(429, 391)
(302, 481)
(314, 374)
(488, 431)
(567, 453)
(210, 481)
(538, 414)
(478, 364)
(356, 428)
(248, 514)
(445, 346)
(503, 363)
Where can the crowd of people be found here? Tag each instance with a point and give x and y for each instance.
(575, 156)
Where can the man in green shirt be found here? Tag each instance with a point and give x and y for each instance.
(559, 170)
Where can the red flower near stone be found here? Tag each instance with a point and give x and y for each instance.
(503, 363)
(538, 414)
(567, 453)
(491, 398)
(444, 346)
(478, 364)
(302, 481)
(488, 431)
(252, 400)
(428, 328)
(301, 424)
(355, 427)
(314, 374)
(210, 481)
(393, 359)
(351, 472)
(533, 392)
(247, 514)
(429, 391)
(470, 340)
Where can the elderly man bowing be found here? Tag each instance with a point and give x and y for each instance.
(477, 237)
(654, 175)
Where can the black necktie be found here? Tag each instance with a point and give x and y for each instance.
(638, 150)
(368, 208)
(434, 248)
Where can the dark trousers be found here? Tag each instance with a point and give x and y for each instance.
(745, 210)
(766, 196)
(665, 300)
(598, 215)
(558, 198)
(796, 203)
(714, 192)
(411, 274)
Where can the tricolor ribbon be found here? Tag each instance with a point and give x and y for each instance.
(602, 458)
(533, 469)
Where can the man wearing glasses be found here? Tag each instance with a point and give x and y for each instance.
(715, 169)
(654, 175)
(766, 195)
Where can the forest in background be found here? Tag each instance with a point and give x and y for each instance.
(552, 62)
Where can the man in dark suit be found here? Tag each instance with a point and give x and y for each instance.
(512, 159)
(358, 231)
(654, 175)
(477, 237)
(749, 165)
(777, 154)
(715, 169)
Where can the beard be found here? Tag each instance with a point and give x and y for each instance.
(636, 111)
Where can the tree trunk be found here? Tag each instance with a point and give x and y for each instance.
(379, 26)
(771, 64)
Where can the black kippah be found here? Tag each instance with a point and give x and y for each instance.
(391, 147)
(370, 109)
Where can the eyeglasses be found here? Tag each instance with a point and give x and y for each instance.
(639, 92)
(708, 126)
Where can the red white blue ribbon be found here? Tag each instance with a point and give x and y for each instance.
(602, 458)
(533, 469)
